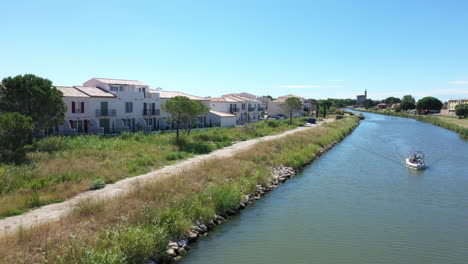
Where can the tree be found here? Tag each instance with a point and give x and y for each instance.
(34, 97)
(317, 108)
(368, 103)
(15, 129)
(407, 102)
(325, 106)
(197, 108)
(291, 105)
(183, 110)
(392, 100)
(429, 103)
(461, 110)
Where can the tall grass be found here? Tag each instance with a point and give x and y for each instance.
(435, 120)
(134, 227)
(60, 167)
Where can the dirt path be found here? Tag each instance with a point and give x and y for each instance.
(53, 212)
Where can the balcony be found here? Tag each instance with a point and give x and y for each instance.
(251, 109)
(151, 112)
(106, 113)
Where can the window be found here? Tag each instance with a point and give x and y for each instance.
(243, 106)
(114, 88)
(127, 122)
(77, 124)
(128, 107)
(78, 107)
(149, 121)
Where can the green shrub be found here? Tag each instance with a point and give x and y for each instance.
(272, 123)
(15, 130)
(175, 155)
(50, 144)
(225, 198)
(97, 184)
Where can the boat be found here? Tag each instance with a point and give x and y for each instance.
(415, 160)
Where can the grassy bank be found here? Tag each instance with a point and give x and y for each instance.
(131, 228)
(458, 125)
(60, 167)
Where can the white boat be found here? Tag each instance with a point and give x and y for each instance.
(415, 160)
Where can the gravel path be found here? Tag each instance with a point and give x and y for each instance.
(53, 212)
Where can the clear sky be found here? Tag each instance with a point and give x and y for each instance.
(317, 49)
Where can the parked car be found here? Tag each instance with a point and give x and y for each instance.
(280, 116)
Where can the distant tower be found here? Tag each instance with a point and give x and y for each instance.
(365, 94)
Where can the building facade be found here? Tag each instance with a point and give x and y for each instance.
(246, 109)
(453, 103)
(360, 98)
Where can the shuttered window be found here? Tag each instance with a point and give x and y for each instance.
(128, 107)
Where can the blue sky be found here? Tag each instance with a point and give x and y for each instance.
(316, 49)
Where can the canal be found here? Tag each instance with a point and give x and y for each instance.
(358, 203)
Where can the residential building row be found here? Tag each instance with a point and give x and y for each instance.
(103, 105)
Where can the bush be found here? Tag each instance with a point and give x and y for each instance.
(97, 184)
(15, 130)
(50, 144)
(461, 110)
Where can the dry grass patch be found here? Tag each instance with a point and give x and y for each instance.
(137, 225)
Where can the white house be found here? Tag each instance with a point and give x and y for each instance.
(82, 104)
(222, 119)
(246, 109)
(274, 106)
(135, 107)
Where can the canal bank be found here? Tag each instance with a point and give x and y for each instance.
(358, 204)
(435, 120)
(139, 224)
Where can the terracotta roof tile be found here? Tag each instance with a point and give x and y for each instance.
(94, 91)
(172, 94)
(69, 91)
(121, 82)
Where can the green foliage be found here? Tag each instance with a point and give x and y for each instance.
(325, 105)
(291, 105)
(15, 129)
(461, 110)
(50, 144)
(429, 103)
(392, 100)
(407, 102)
(97, 184)
(184, 110)
(225, 198)
(35, 97)
(368, 103)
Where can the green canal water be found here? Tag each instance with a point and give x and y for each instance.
(359, 204)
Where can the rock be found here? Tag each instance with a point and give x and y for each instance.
(171, 252)
(177, 258)
(182, 251)
(182, 243)
(241, 205)
(231, 212)
(220, 218)
(203, 227)
(191, 236)
(198, 229)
